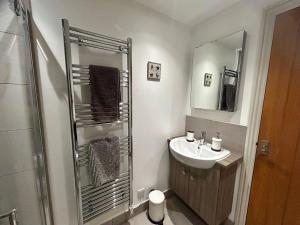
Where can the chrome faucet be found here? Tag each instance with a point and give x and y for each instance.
(202, 139)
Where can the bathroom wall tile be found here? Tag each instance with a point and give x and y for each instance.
(16, 151)
(13, 59)
(19, 191)
(9, 22)
(233, 135)
(15, 107)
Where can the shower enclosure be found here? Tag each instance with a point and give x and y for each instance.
(24, 194)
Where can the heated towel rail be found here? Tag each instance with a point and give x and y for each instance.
(93, 201)
(227, 73)
(11, 216)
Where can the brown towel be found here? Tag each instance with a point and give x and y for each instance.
(104, 160)
(105, 93)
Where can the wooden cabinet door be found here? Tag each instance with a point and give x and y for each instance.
(203, 193)
(181, 182)
(178, 180)
(225, 193)
(172, 173)
(179, 175)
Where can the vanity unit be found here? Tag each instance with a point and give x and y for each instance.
(209, 191)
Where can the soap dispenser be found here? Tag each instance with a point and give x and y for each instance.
(216, 143)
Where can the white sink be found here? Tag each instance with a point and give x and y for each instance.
(189, 154)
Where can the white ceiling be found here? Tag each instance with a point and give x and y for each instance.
(188, 12)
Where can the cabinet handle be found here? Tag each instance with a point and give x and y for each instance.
(192, 178)
(183, 172)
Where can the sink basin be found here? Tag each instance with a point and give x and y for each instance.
(189, 154)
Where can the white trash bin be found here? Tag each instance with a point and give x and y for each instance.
(156, 206)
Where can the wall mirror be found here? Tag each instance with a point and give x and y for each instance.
(217, 71)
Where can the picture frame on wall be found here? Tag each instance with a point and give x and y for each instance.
(153, 71)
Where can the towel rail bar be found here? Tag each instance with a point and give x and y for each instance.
(81, 124)
(94, 201)
(12, 217)
(88, 83)
(89, 118)
(86, 68)
(89, 113)
(86, 72)
(106, 197)
(85, 162)
(104, 190)
(87, 210)
(102, 47)
(122, 140)
(84, 112)
(87, 38)
(97, 35)
(100, 211)
(105, 204)
(88, 189)
(82, 105)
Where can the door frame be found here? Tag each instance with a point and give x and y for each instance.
(257, 101)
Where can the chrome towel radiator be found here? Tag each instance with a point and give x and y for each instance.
(93, 201)
(11, 216)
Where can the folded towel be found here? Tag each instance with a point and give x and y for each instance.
(105, 93)
(104, 160)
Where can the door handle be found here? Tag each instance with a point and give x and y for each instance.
(264, 147)
(12, 217)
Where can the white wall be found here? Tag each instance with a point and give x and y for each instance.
(159, 108)
(246, 15)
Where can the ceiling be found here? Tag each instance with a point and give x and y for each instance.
(188, 12)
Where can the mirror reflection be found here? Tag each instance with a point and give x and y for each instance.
(217, 68)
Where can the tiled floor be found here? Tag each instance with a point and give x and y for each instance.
(176, 213)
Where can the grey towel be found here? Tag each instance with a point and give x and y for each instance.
(105, 93)
(104, 160)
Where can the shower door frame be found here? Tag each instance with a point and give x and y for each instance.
(39, 151)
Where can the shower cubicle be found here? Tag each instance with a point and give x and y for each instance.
(24, 194)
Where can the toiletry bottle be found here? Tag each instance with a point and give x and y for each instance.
(216, 143)
(190, 136)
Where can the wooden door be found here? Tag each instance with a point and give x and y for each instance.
(275, 196)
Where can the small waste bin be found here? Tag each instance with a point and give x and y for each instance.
(156, 206)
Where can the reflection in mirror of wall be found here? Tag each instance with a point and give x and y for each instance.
(217, 68)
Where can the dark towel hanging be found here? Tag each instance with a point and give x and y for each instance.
(105, 93)
(228, 97)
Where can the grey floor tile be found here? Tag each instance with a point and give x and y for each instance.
(176, 213)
